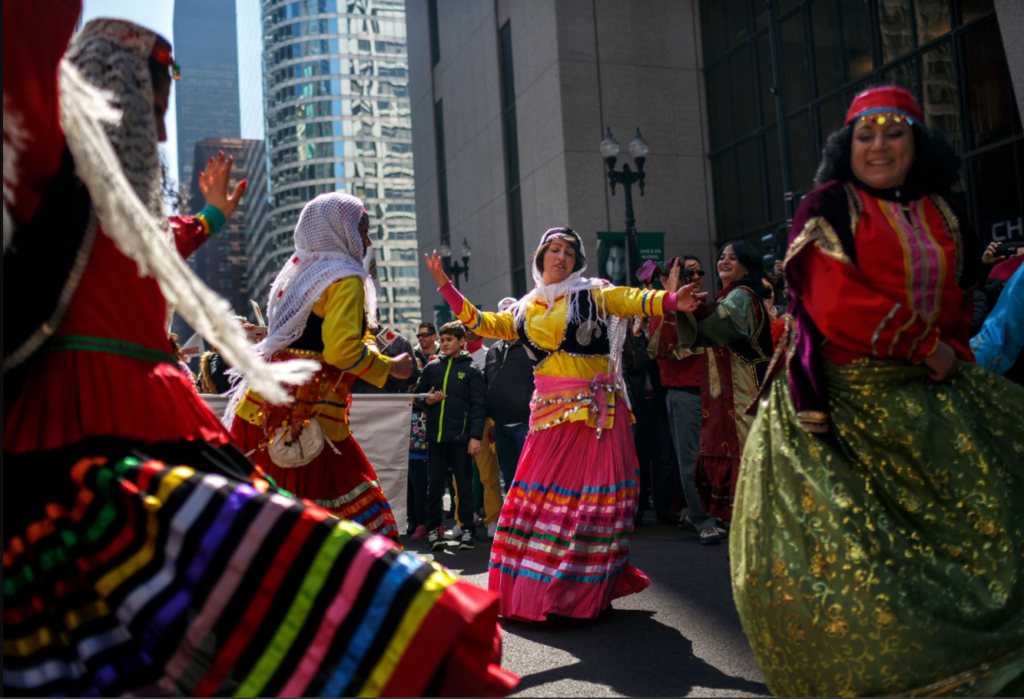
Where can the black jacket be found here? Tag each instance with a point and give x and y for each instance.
(509, 383)
(461, 416)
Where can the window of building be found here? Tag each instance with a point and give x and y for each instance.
(948, 52)
(515, 205)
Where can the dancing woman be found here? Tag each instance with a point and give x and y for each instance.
(737, 332)
(133, 562)
(878, 542)
(323, 306)
(562, 545)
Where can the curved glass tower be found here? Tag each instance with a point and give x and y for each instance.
(336, 101)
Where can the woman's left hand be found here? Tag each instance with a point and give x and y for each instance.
(213, 183)
(687, 300)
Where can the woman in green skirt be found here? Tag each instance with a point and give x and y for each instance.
(878, 540)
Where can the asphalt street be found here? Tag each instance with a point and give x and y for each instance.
(680, 637)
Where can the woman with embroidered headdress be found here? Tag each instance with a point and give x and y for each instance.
(133, 562)
(322, 306)
(878, 542)
(562, 545)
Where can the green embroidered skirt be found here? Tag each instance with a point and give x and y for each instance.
(887, 556)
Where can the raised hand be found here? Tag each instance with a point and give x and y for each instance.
(213, 183)
(686, 299)
(671, 282)
(436, 266)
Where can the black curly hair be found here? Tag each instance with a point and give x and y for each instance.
(936, 168)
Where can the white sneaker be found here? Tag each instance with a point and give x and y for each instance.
(455, 533)
(492, 529)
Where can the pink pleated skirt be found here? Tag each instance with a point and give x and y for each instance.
(562, 545)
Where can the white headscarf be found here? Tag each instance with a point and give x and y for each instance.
(328, 248)
(571, 287)
(106, 113)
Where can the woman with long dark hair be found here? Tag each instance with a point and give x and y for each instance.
(878, 543)
(737, 332)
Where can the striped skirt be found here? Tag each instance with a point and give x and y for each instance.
(344, 484)
(162, 580)
(562, 545)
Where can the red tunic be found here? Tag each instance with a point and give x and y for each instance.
(901, 295)
(70, 395)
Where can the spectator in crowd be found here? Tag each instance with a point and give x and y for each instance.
(391, 343)
(998, 346)
(777, 326)
(681, 374)
(213, 370)
(651, 430)
(455, 410)
(738, 339)
(416, 499)
(486, 468)
(428, 347)
(509, 372)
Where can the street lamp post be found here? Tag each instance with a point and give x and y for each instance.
(627, 178)
(454, 269)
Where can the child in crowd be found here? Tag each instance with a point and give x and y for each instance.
(417, 492)
(455, 411)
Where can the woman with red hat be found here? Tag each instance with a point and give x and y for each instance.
(878, 546)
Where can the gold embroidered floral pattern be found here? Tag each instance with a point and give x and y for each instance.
(819, 231)
(886, 557)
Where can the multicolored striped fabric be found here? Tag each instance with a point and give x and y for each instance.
(168, 581)
(562, 545)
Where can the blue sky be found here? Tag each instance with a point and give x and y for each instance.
(159, 16)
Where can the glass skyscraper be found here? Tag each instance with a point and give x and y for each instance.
(206, 47)
(338, 119)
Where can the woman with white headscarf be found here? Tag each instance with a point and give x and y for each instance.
(323, 306)
(562, 545)
(134, 563)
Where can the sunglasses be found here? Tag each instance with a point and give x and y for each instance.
(423, 335)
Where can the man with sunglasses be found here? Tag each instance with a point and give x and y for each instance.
(427, 338)
(681, 375)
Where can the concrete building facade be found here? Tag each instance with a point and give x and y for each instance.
(698, 78)
(337, 119)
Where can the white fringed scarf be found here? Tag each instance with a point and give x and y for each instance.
(106, 100)
(328, 248)
(571, 287)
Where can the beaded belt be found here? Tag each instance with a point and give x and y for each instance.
(557, 398)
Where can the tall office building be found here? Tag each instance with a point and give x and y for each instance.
(206, 47)
(510, 100)
(337, 119)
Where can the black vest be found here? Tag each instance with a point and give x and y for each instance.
(312, 337)
(588, 338)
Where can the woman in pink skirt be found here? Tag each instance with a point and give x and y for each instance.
(562, 545)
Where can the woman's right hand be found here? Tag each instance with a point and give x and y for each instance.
(401, 366)
(942, 362)
(989, 257)
(436, 266)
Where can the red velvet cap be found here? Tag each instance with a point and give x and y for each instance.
(886, 99)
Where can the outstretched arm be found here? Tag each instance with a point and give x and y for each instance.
(496, 325)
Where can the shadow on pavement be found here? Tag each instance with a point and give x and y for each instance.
(464, 563)
(657, 661)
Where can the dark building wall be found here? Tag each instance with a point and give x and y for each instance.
(207, 102)
(950, 53)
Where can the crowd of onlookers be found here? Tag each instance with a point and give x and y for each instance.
(469, 430)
